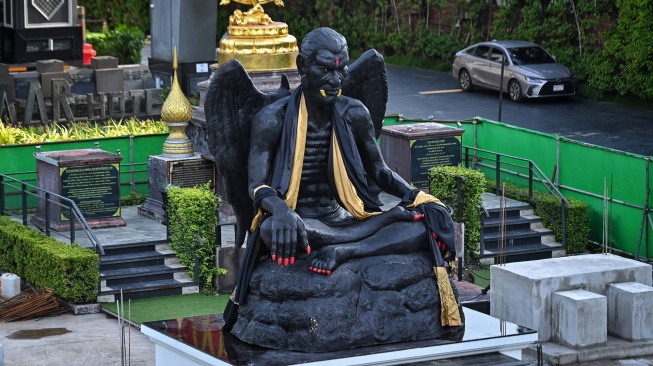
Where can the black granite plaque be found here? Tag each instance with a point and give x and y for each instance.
(190, 173)
(95, 189)
(425, 154)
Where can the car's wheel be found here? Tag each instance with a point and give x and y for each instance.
(465, 80)
(514, 91)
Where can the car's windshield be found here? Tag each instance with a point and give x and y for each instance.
(529, 55)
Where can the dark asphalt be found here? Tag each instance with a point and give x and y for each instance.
(599, 123)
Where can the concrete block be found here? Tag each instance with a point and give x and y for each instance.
(630, 311)
(104, 62)
(109, 80)
(521, 292)
(43, 66)
(46, 81)
(579, 318)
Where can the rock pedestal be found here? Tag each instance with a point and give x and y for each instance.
(368, 301)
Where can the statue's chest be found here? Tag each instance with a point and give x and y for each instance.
(316, 153)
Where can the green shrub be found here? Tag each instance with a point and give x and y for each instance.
(443, 186)
(578, 229)
(70, 270)
(132, 199)
(124, 42)
(192, 211)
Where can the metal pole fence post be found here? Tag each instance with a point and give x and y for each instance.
(47, 213)
(24, 202)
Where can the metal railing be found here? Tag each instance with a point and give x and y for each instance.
(11, 187)
(518, 168)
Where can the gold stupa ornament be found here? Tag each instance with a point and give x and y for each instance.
(258, 42)
(176, 112)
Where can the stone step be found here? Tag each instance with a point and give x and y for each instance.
(147, 289)
(143, 274)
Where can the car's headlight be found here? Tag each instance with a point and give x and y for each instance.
(537, 80)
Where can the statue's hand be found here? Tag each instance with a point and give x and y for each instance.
(287, 232)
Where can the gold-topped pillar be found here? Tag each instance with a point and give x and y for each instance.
(176, 112)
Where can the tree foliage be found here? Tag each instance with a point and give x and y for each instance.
(605, 43)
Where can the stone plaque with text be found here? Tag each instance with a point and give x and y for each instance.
(191, 172)
(425, 154)
(95, 189)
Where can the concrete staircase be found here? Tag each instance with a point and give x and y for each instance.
(142, 270)
(526, 238)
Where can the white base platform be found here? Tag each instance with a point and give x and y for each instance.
(483, 334)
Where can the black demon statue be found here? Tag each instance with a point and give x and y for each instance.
(321, 257)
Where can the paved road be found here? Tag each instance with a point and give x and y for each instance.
(419, 94)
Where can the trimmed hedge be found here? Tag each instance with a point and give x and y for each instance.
(443, 186)
(192, 211)
(70, 270)
(578, 228)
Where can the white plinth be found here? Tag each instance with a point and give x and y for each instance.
(579, 318)
(483, 334)
(630, 311)
(521, 292)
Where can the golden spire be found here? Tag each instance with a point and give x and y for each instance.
(176, 112)
(176, 107)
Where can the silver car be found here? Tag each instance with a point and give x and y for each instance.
(529, 70)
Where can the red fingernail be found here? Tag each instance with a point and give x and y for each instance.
(417, 217)
(328, 273)
(280, 261)
(308, 249)
(274, 257)
(423, 215)
(285, 262)
(292, 260)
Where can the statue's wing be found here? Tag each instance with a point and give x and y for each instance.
(367, 81)
(231, 101)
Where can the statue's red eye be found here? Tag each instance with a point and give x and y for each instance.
(325, 70)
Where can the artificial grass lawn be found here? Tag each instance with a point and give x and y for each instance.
(170, 307)
(482, 276)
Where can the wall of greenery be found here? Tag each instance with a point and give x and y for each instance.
(192, 211)
(70, 270)
(606, 43)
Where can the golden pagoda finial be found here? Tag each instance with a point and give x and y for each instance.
(176, 112)
(254, 16)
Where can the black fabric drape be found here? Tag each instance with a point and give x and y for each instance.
(437, 220)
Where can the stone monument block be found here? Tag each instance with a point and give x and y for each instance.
(579, 318)
(521, 292)
(630, 311)
(89, 177)
(412, 150)
(227, 257)
(181, 172)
